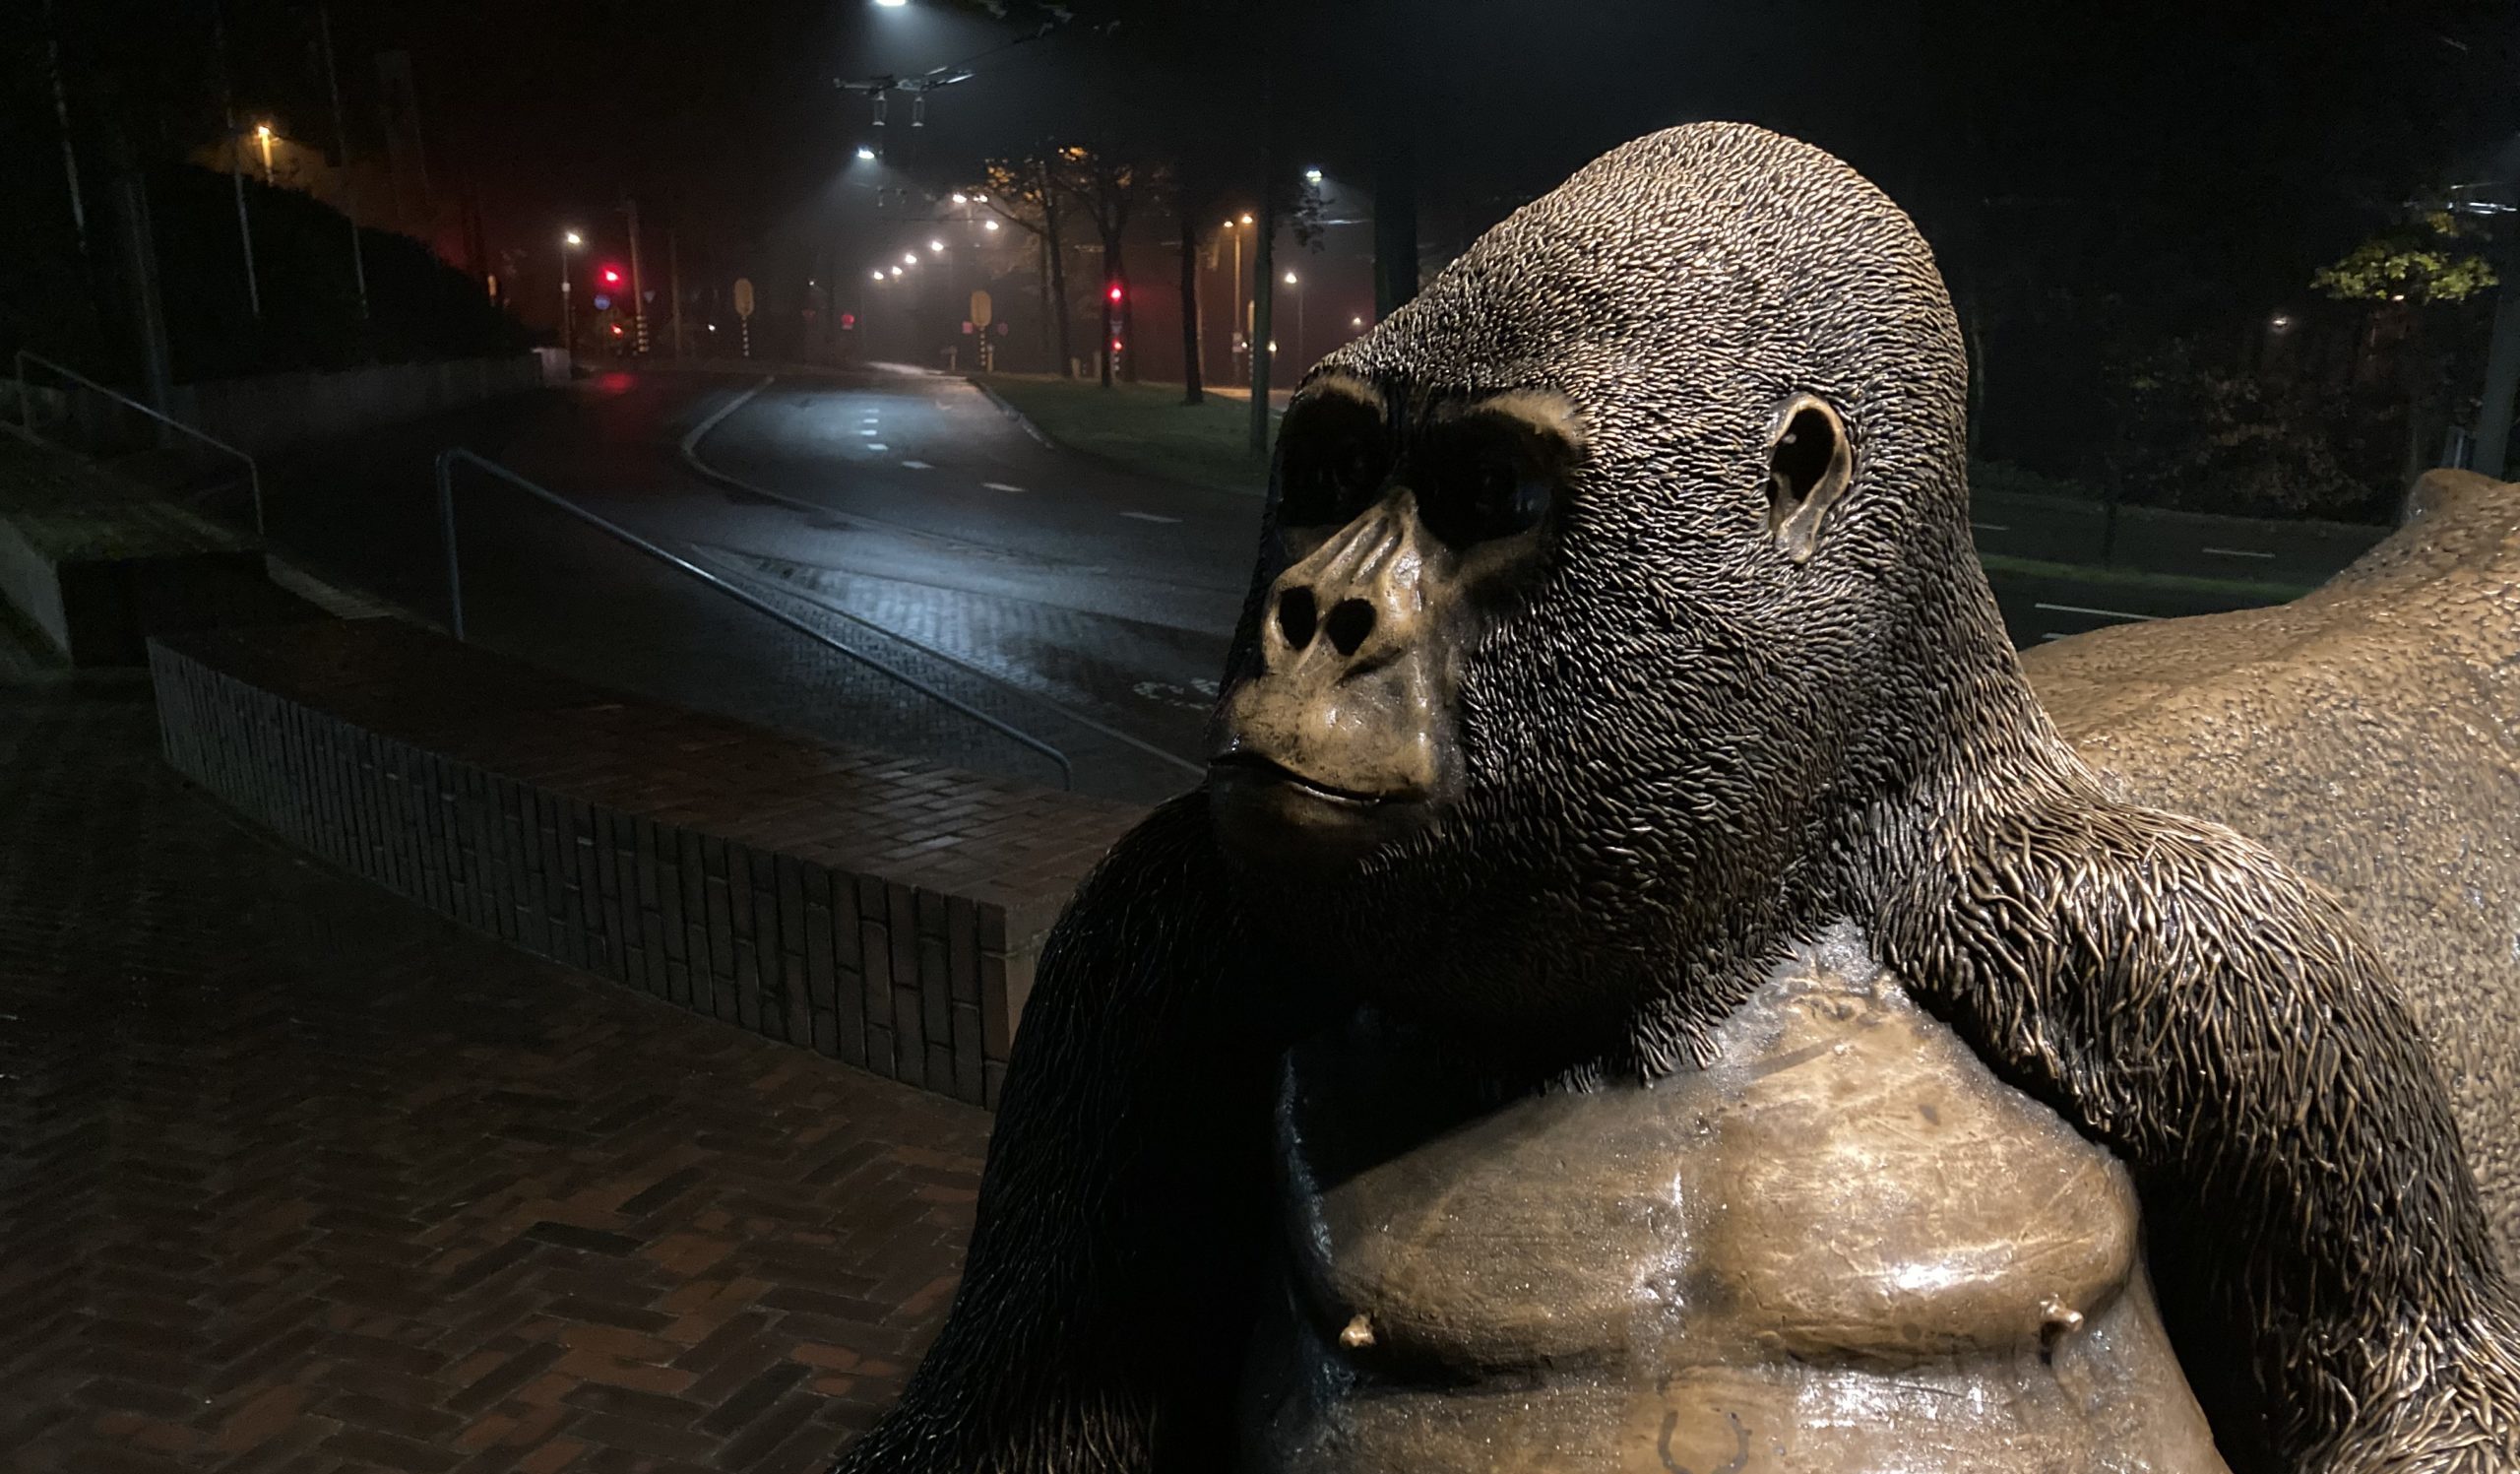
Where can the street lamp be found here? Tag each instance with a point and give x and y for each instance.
(570, 241)
(937, 247)
(878, 275)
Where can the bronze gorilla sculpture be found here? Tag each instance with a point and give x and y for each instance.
(1645, 985)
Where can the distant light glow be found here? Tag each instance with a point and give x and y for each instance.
(263, 131)
(1246, 217)
(910, 258)
(960, 198)
(1116, 291)
(1273, 345)
(1355, 322)
(2282, 321)
(1313, 177)
(1290, 279)
(572, 237)
(984, 199)
(897, 271)
(988, 225)
(865, 153)
(938, 246)
(892, 4)
(879, 275)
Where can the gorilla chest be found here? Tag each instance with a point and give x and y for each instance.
(1846, 1223)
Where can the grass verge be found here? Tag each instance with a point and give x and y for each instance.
(1144, 427)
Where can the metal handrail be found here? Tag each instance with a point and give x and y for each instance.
(455, 593)
(26, 420)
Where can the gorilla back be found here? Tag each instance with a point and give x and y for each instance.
(1622, 780)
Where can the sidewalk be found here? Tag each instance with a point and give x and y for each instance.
(298, 1178)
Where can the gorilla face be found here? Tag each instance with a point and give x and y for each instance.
(1597, 584)
(1407, 529)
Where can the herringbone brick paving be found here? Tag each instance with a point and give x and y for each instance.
(295, 1178)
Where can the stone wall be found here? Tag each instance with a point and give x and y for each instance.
(883, 912)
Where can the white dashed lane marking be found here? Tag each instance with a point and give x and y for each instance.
(2077, 608)
(2237, 552)
(877, 448)
(916, 465)
(1002, 487)
(1148, 517)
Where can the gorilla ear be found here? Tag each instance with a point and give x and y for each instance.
(1809, 463)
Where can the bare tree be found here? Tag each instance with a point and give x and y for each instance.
(1026, 191)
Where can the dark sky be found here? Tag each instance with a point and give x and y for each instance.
(2253, 138)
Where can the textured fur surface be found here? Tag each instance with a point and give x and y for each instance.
(2370, 734)
(1681, 753)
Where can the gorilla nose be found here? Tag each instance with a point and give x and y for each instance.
(1350, 622)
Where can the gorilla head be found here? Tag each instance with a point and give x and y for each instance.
(1604, 589)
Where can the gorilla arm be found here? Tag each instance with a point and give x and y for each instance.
(2224, 1026)
(1106, 1295)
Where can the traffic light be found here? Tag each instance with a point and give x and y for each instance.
(609, 276)
(1116, 291)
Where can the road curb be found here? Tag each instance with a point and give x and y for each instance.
(1022, 421)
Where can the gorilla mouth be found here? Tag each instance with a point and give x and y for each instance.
(1245, 765)
(1267, 812)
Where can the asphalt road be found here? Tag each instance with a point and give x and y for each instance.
(901, 513)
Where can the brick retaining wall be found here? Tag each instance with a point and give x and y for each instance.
(882, 911)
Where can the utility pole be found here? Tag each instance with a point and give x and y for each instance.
(61, 112)
(341, 137)
(2503, 359)
(673, 283)
(638, 282)
(235, 155)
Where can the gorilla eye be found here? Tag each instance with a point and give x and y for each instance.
(1485, 486)
(1330, 464)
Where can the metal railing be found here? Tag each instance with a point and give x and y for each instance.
(446, 463)
(26, 419)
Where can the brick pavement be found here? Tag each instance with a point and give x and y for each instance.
(297, 1178)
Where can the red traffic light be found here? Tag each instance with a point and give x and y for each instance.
(1116, 291)
(612, 275)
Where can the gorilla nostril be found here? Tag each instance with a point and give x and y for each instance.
(1296, 615)
(1349, 621)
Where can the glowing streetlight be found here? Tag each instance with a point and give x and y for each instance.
(263, 135)
(1246, 217)
(570, 241)
(1355, 322)
(891, 4)
(1290, 279)
(910, 258)
(879, 275)
(938, 246)
(897, 271)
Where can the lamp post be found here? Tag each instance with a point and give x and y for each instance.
(569, 241)
(1295, 283)
(1241, 312)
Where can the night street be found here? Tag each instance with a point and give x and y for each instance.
(898, 510)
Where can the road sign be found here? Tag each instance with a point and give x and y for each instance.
(743, 296)
(980, 308)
